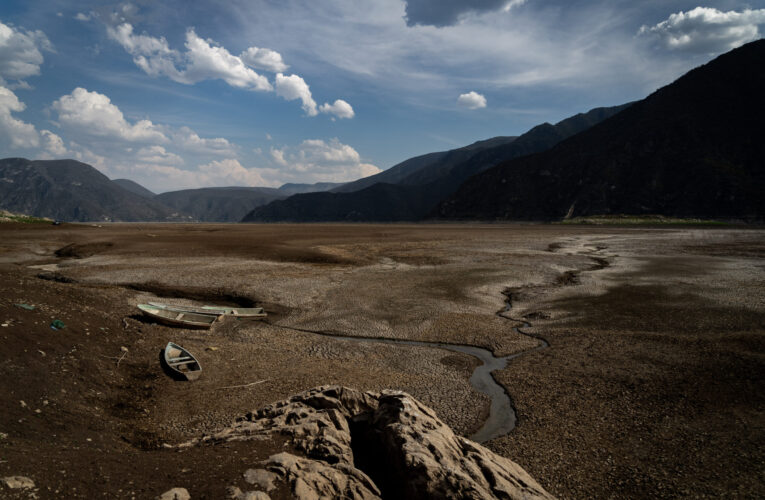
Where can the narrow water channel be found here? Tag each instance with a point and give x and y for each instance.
(502, 417)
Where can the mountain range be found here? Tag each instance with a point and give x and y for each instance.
(691, 149)
(73, 191)
(223, 204)
(70, 190)
(695, 148)
(413, 188)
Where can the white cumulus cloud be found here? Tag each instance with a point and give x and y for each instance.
(190, 141)
(15, 132)
(266, 59)
(278, 156)
(85, 155)
(294, 87)
(471, 100)
(202, 60)
(81, 16)
(230, 172)
(21, 53)
(159, 155)
(339, 108)
(207, 60)
(53, 144)
(707, 30)
(316, 160)
(156, 155)
(95, 114)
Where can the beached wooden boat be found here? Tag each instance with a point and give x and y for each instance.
(179, 318)
(182, 362)
(237, 312)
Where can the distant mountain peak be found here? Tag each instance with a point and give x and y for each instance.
(73, 191)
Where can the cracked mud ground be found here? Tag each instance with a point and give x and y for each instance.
(652, 385)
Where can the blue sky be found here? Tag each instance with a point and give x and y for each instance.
(179, 94)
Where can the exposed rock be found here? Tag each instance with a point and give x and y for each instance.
(314, 479)
(362, 445)
(18, 482)
(235, 493)
(426, 459)
(175, 494)
(260, 477)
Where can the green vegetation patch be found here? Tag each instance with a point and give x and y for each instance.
(622, 219)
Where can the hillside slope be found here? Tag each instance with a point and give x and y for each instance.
(427, 166)
(423, 181)
(134, 187)
(72, 191)
(694, 148)
(219, 204)
(291, 188)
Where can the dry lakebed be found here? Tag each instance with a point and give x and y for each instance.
(607, 362)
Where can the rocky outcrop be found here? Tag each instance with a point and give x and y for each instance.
(361, 445)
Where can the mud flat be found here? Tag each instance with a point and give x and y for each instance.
(652, 383)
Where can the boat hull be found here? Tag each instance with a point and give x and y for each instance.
(179, 318)
(181, 363)
(236, 312)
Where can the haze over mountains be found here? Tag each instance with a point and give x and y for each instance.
(224, 204)
(693, 148)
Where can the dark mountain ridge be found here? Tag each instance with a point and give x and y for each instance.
(291, 188)
(423, 181)
(427, 166)
(694, 148)
(72, 191)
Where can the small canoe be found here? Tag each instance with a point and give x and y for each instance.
(179, 318)
(182, 362)
(238, 312)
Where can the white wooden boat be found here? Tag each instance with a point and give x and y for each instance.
(182, 362)
(237, 312)
(179, 318)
